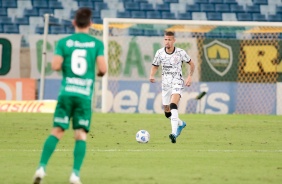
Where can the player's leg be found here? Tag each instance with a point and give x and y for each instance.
(81, 125)
(174, 116)
(175, 98)
(61, 123)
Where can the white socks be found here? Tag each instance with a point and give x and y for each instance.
(174, 121)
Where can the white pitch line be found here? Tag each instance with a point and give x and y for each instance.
(142, 150)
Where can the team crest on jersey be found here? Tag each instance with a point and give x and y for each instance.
(174, 59)
(219, 57)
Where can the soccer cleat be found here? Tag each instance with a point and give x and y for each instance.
(180, 128)
(39, 175)
(74, 179)
(172, 138)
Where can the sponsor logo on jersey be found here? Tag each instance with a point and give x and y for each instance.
(219, 57)
(72, 43)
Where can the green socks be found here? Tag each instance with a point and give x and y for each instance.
(79, 154)
(48, 149)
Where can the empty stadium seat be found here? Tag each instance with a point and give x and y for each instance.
(125, 14)
(22, 20)
(40, 4)
(12, 28)
(131, 6)
(222, 8)
(31, 12)
(253, 9)
(138, 14)
(201, 1)
(163, 7)
(66, 22)
(45, 11)
(88, 4)
(168, 15)
(5, 20)
(39, 30)
(100, 6)
(153, 15)
(1, 29)
(3, 11)
(151, 33)
(260, 2)
(193, 8)
(258, 17)
(55, 5)
(57, 30)
(230, 2)
(185, 16)
(9, 4)
(216, 1)
(207, 8)
(214, 16)
(146, 7)
(69, 30)
(235, 8)
(244, 16)
(275, 18)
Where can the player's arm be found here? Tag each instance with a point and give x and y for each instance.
(189, 78)
(154, 70)
(101, 65)
(57, 61)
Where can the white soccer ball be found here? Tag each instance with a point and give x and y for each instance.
(142, 136)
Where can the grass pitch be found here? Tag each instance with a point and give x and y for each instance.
(215, 149)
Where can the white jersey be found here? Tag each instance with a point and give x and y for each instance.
(171, 67)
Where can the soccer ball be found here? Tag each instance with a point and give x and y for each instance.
(142, 136)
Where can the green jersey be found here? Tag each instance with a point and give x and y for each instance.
(79, 52)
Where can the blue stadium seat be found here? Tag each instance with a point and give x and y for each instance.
(224, 8)
(9, 3)
(69, 30)
(244, 17)
(39, 30)
(3, 11)
(22, 21)
(55, 5)
(213, 35)
(214, 16)
(201, 1)
(253, 9)
(100, 6)
(185, 16)
(57, 30)
(96, 14)
(44, 11)
(207, 7)
(88, 4)
(31, 12)
(153, 15)
(168, 15)
(125, 14)
(53, 20)
(146, 7)
(234, 8)
(138, 1)
(275, 18)
(40, 4)
(131, 6)
(1, 29)
(136, 32)
(279, 9)
(216, 1)
(163, 7)
(170, 1)
(258, 17)
(138, 14)
(230, 2)
(66, 23)
(193, 8)
(152, 33)
(260, 2)
(5, 20)
(230, 35)
(12, 28)
(97, 21)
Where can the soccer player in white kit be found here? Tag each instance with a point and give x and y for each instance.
(171, 59)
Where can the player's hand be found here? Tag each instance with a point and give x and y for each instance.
(152, 79)
(188, 81)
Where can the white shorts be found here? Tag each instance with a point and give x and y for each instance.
(166, 94)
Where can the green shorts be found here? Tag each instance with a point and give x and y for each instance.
(79, 109)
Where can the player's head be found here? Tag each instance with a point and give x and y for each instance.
(169, 39)
(82, 18)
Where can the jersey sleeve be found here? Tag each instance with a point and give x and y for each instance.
(100, 49)
(157, 61)
(59, 48)
(185, 57)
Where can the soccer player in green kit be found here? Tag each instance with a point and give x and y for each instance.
(77, 56)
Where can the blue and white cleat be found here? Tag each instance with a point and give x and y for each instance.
(180, 128)
(172, 138)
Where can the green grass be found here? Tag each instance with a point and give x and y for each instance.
(211, 149)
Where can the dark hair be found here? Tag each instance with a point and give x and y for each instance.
(169, 33)
(83, 17)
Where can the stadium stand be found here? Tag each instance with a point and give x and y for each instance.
(26, 16)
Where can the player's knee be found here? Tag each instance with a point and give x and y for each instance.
(167, 114)
(173, 106)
